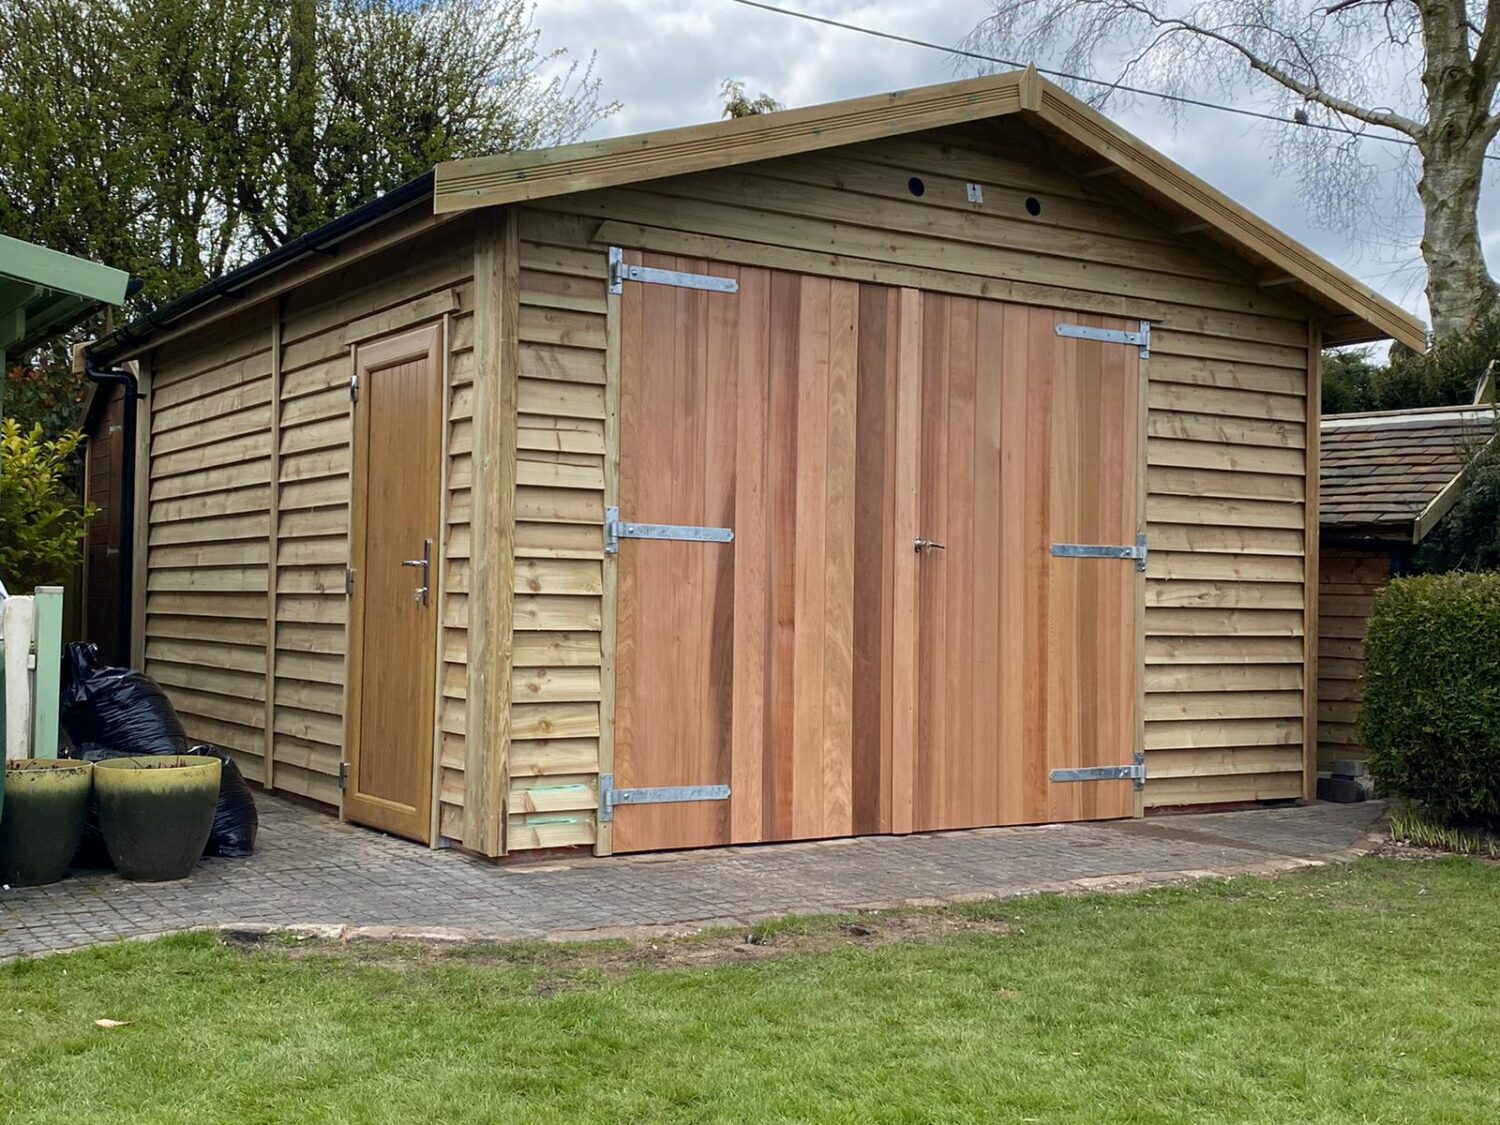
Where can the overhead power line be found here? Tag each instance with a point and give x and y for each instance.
(1050, 73)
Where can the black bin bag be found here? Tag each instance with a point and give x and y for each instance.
(119, 713)
(119, 709)
(235, 818)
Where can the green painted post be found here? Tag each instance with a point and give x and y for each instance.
(48, 677)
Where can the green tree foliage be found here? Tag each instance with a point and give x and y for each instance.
(1431, 708)
(177, 140)
(41, 519)
(737, 103)
(1347, 378)
(1445, 375)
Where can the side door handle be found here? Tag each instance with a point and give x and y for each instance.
(425, 562)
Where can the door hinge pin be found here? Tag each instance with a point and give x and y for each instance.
(348, 582)
(343, 775)
(354, 388)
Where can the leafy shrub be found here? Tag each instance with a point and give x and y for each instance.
(1431, 710)
(41, 520)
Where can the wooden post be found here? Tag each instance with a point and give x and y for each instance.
(492, 546)
(1314, 415)
(1143, 412)
(604, 833)
(47, 677)
(273, 537)
(440, 599)
(18, 616)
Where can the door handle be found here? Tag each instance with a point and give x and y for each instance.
(425, 562)
(929, 545)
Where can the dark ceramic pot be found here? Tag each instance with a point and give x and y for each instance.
(155, 813)
(45, 805)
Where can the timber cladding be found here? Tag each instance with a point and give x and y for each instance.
(1225, 434)
(249, 492)
(539, 662)
(1348, 580)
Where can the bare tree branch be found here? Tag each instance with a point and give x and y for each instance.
(1386, 118)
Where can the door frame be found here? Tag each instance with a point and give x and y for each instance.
(428, 340)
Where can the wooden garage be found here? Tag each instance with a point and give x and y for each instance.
(924, 461)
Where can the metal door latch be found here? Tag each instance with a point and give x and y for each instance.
(616, 529)
(1135, 772)
(420, 595)
(929, 545)
(1104, 551)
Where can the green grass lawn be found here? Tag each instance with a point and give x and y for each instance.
(1365, 993)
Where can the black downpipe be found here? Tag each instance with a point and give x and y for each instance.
(123, 377)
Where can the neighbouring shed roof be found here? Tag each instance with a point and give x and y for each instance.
(1393, 474)
(1359, 314)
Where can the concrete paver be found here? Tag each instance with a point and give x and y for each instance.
(309, 869)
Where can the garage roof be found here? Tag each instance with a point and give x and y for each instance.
(1394, 473)
(1359, 314)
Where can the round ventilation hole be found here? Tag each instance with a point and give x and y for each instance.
(916, 186)
(1033, 205)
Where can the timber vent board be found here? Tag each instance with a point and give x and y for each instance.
(930, 460)
(1387, 479)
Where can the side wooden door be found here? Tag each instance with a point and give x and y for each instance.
(394, 551)
(1026, 660)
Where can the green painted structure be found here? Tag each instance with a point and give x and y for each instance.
(43, 293)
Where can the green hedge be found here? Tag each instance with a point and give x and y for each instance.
(1431, 710)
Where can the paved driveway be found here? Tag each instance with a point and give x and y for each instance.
(310, 869)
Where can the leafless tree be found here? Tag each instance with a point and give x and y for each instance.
(1423, 70)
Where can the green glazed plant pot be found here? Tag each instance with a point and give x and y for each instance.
(155, 813)
(46, 802)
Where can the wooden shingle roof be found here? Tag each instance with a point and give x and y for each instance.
(1393, 474)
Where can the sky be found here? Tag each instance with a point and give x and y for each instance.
(664, 60)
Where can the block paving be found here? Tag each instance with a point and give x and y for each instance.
(313, 874)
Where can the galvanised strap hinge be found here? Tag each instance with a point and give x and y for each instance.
(620, 273)
(348, 582)
(1135, 772)
(1141, 339)
(354, 388)
(609, 796)
(343, 775)
(1104, 551)
(616, 529)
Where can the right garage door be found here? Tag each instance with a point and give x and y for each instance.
(1026, 639)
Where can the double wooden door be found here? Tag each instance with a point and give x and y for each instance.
(832, 676)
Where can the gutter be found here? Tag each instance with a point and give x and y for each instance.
(233, 284)
(123, 377)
